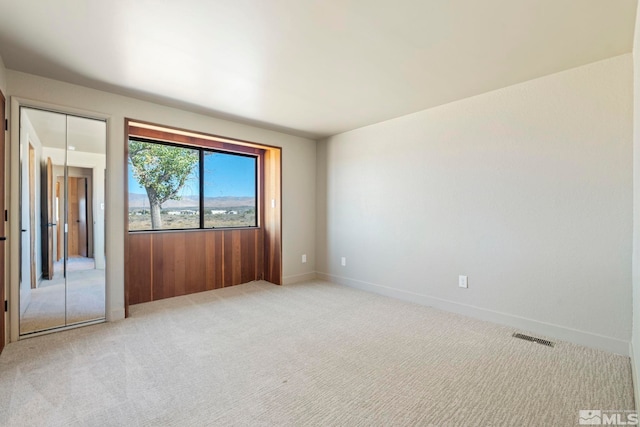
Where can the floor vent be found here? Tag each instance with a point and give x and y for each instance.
(534, 339)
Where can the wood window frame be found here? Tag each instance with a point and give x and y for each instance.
(230, 245)
(255, 154)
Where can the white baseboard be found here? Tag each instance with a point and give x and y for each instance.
(550, 330)
(115, 315)
(290, 280)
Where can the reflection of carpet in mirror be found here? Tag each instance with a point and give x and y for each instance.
(73, 264)
(84, 298)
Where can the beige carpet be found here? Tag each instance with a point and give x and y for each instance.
(58, 303)
(308, 354)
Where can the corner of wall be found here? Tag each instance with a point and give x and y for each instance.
(634, 346)
(3, 89)
(3, 77)
(321, 205)
(299, 278)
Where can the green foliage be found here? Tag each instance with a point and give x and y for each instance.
(161, 169)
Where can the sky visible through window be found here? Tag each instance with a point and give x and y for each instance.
(238, 172)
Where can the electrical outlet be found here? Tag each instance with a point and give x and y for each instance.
(343, 261)
(463, 282)
(304, 258)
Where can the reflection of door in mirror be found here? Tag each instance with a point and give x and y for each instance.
(62, 185)
(32, 215)
(78, 217)
(59, 214)
(47, 220)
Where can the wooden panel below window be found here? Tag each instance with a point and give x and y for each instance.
(139, 271)
(164, 265)
(167, 264)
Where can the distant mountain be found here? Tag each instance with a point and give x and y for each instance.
(137, 200)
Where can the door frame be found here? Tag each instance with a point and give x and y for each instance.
(4, 321)
(13, 231)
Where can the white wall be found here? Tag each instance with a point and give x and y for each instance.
(3, 79)
(635, 337)
(527, 190)
(299, 215)
(298, 168)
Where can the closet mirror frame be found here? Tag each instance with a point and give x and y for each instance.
(18, 162)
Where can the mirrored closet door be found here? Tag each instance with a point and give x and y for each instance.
(62, 193)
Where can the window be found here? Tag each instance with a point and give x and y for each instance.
(176, 187)
(229, 186)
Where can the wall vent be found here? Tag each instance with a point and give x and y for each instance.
(534, 339)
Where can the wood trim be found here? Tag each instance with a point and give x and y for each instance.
(163, 264)
(191, 141)
(273, 217)
(141, 124)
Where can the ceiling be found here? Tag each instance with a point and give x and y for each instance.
(310, 67)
